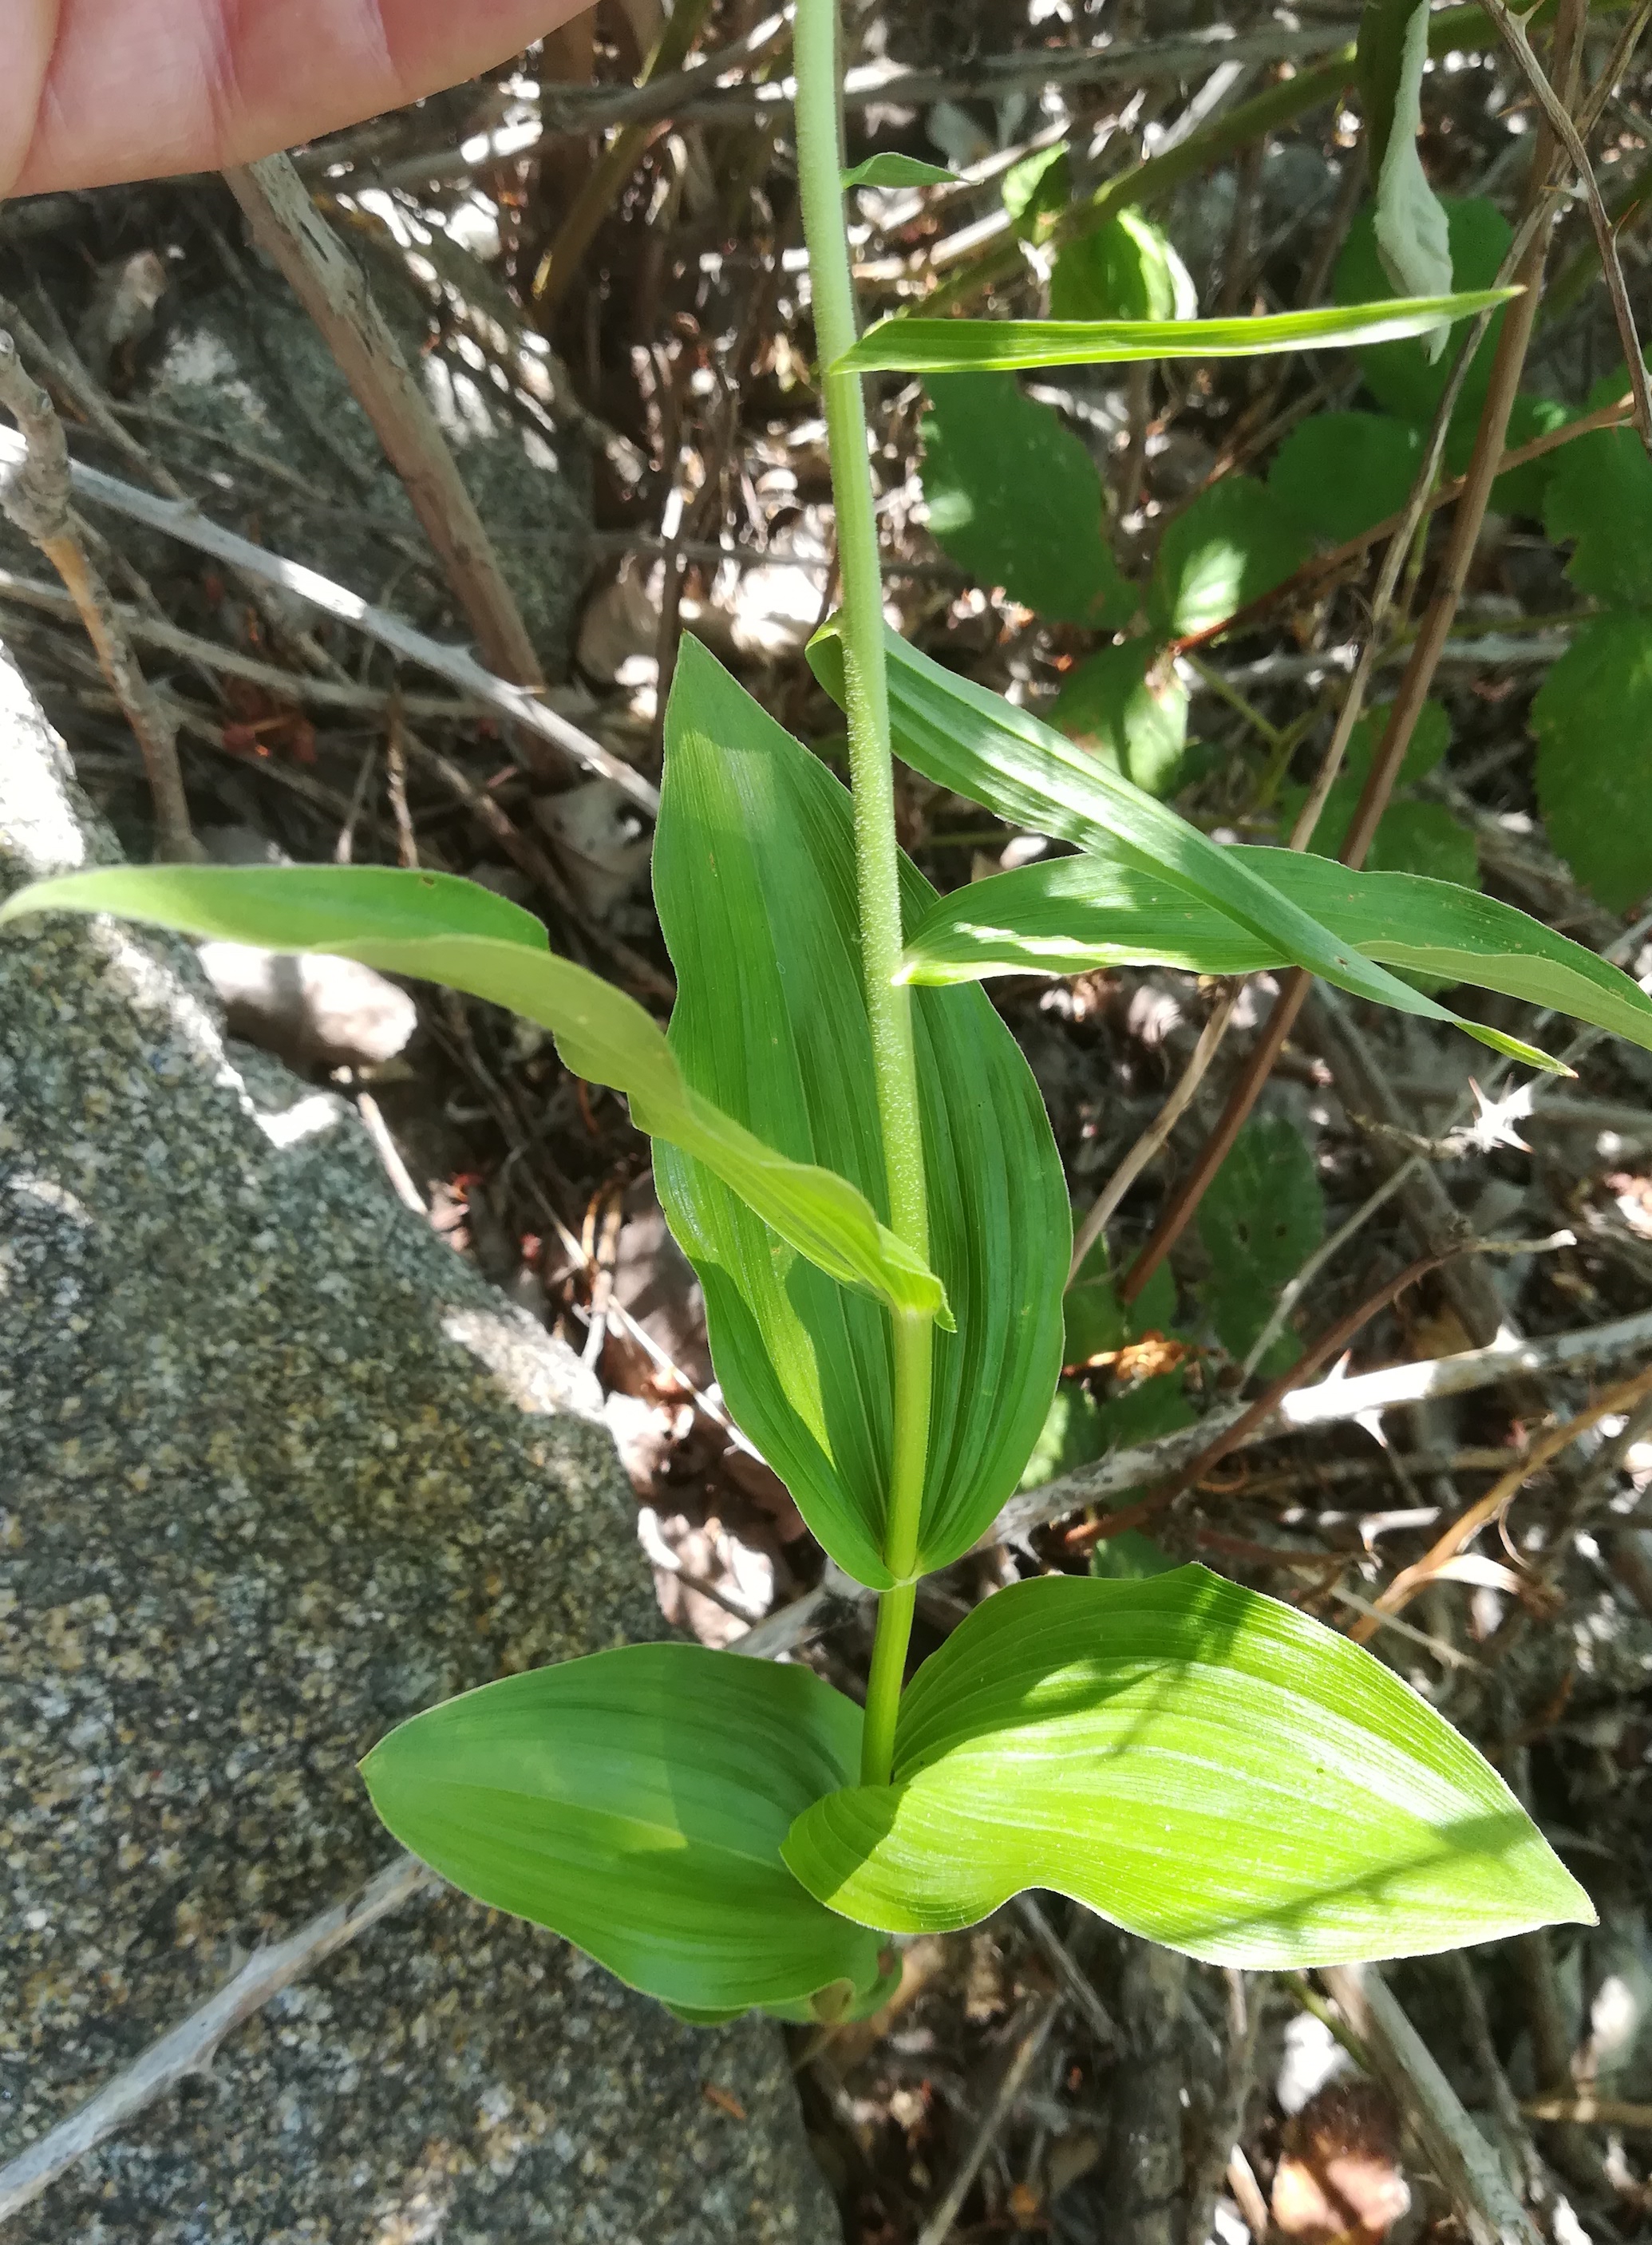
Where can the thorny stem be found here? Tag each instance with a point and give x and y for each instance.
(820, 166)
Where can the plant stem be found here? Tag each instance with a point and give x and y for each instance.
(820, 166)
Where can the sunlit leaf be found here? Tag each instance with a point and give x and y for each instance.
(446, 930)
(1068, 915)
(755, 877)
(1015, 498)
(1409, 226)
(636, 1801)
(918, 346)
(891, 170)
(1204, 1766)
(1228, 546)
(1038, 185)
(965, 738)
(1127, 705)
(1126, 269)
(1593, 718)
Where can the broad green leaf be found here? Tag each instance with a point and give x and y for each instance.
(1127, 269)
(1015, 498)
(755, 877)
(446, 930)
(1232, 544)
(636, 1801)
(1261, 1217)
(1145, 1410)
(1601, 494)
(1338, 474)
(1039, 186)
(890, 170)
(1409, 226)
(1593, 718)
(1097, 1322)
(965, 738)
(1130, 1557)
(1400, 374)
(903, 345)
(1068, 915)
(1127, 705)
(1199, 1764)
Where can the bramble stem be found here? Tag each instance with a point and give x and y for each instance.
(820, 167)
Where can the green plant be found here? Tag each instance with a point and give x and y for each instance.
(853, 1152)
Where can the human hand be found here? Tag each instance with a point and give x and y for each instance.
(95, 90)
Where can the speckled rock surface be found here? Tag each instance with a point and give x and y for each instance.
(276, 1469)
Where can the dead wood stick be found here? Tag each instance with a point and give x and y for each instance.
(34, 492)
(1465, 2161)
(457, 664)
(327, 281)
(189, 2047)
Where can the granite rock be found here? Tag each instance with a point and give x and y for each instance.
(277, 1468)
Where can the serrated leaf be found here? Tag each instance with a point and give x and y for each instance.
(890, 169)
(1397, 373)
(903, 345)
(1068, 915)
(1232, 544)
(1071, 1436)
(1409, 226)
(1127, 705)
(1518, 491)
(1593, 718)
(755, 878)
(965, 738)
(1126, 269)
(1015, 498)
(1410, 837)
(1261, 1218)
(446, 930)
(1601, 494)
(1338, 474)
(636, 1801)
(1053, 1741)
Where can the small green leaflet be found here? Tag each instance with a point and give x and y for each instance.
(1259, 1221)
(889, 170)
(1127, 269)
(914, 346)
(1227, 547)
(755, 880)
(1199, 1764)
(965, 738)
(1066, 915)
(446, 930)
(636, 1801)
(1127, 705)
(1591, 718)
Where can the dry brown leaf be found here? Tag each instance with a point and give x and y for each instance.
(1338, 2180)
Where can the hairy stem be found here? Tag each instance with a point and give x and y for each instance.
(820, 166)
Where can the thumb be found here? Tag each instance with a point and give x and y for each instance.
(30, 33)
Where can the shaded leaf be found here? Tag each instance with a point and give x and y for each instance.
(1066, 915)
(889, 170)
(755, 877)
(1601, 494)
(964, 737)
(903, 345)
(1593, 717)
(1336, 1816)
(1036, 187)
(1397, 373)
(446, 930)
(1071, 1435)
(1130, 1557)
(1518, 491)
(1261, 1217)
(1126, 269)
(1127, 705)
(1015, 498)
(635, 1802)
(1338, 474)
(1234, 543)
